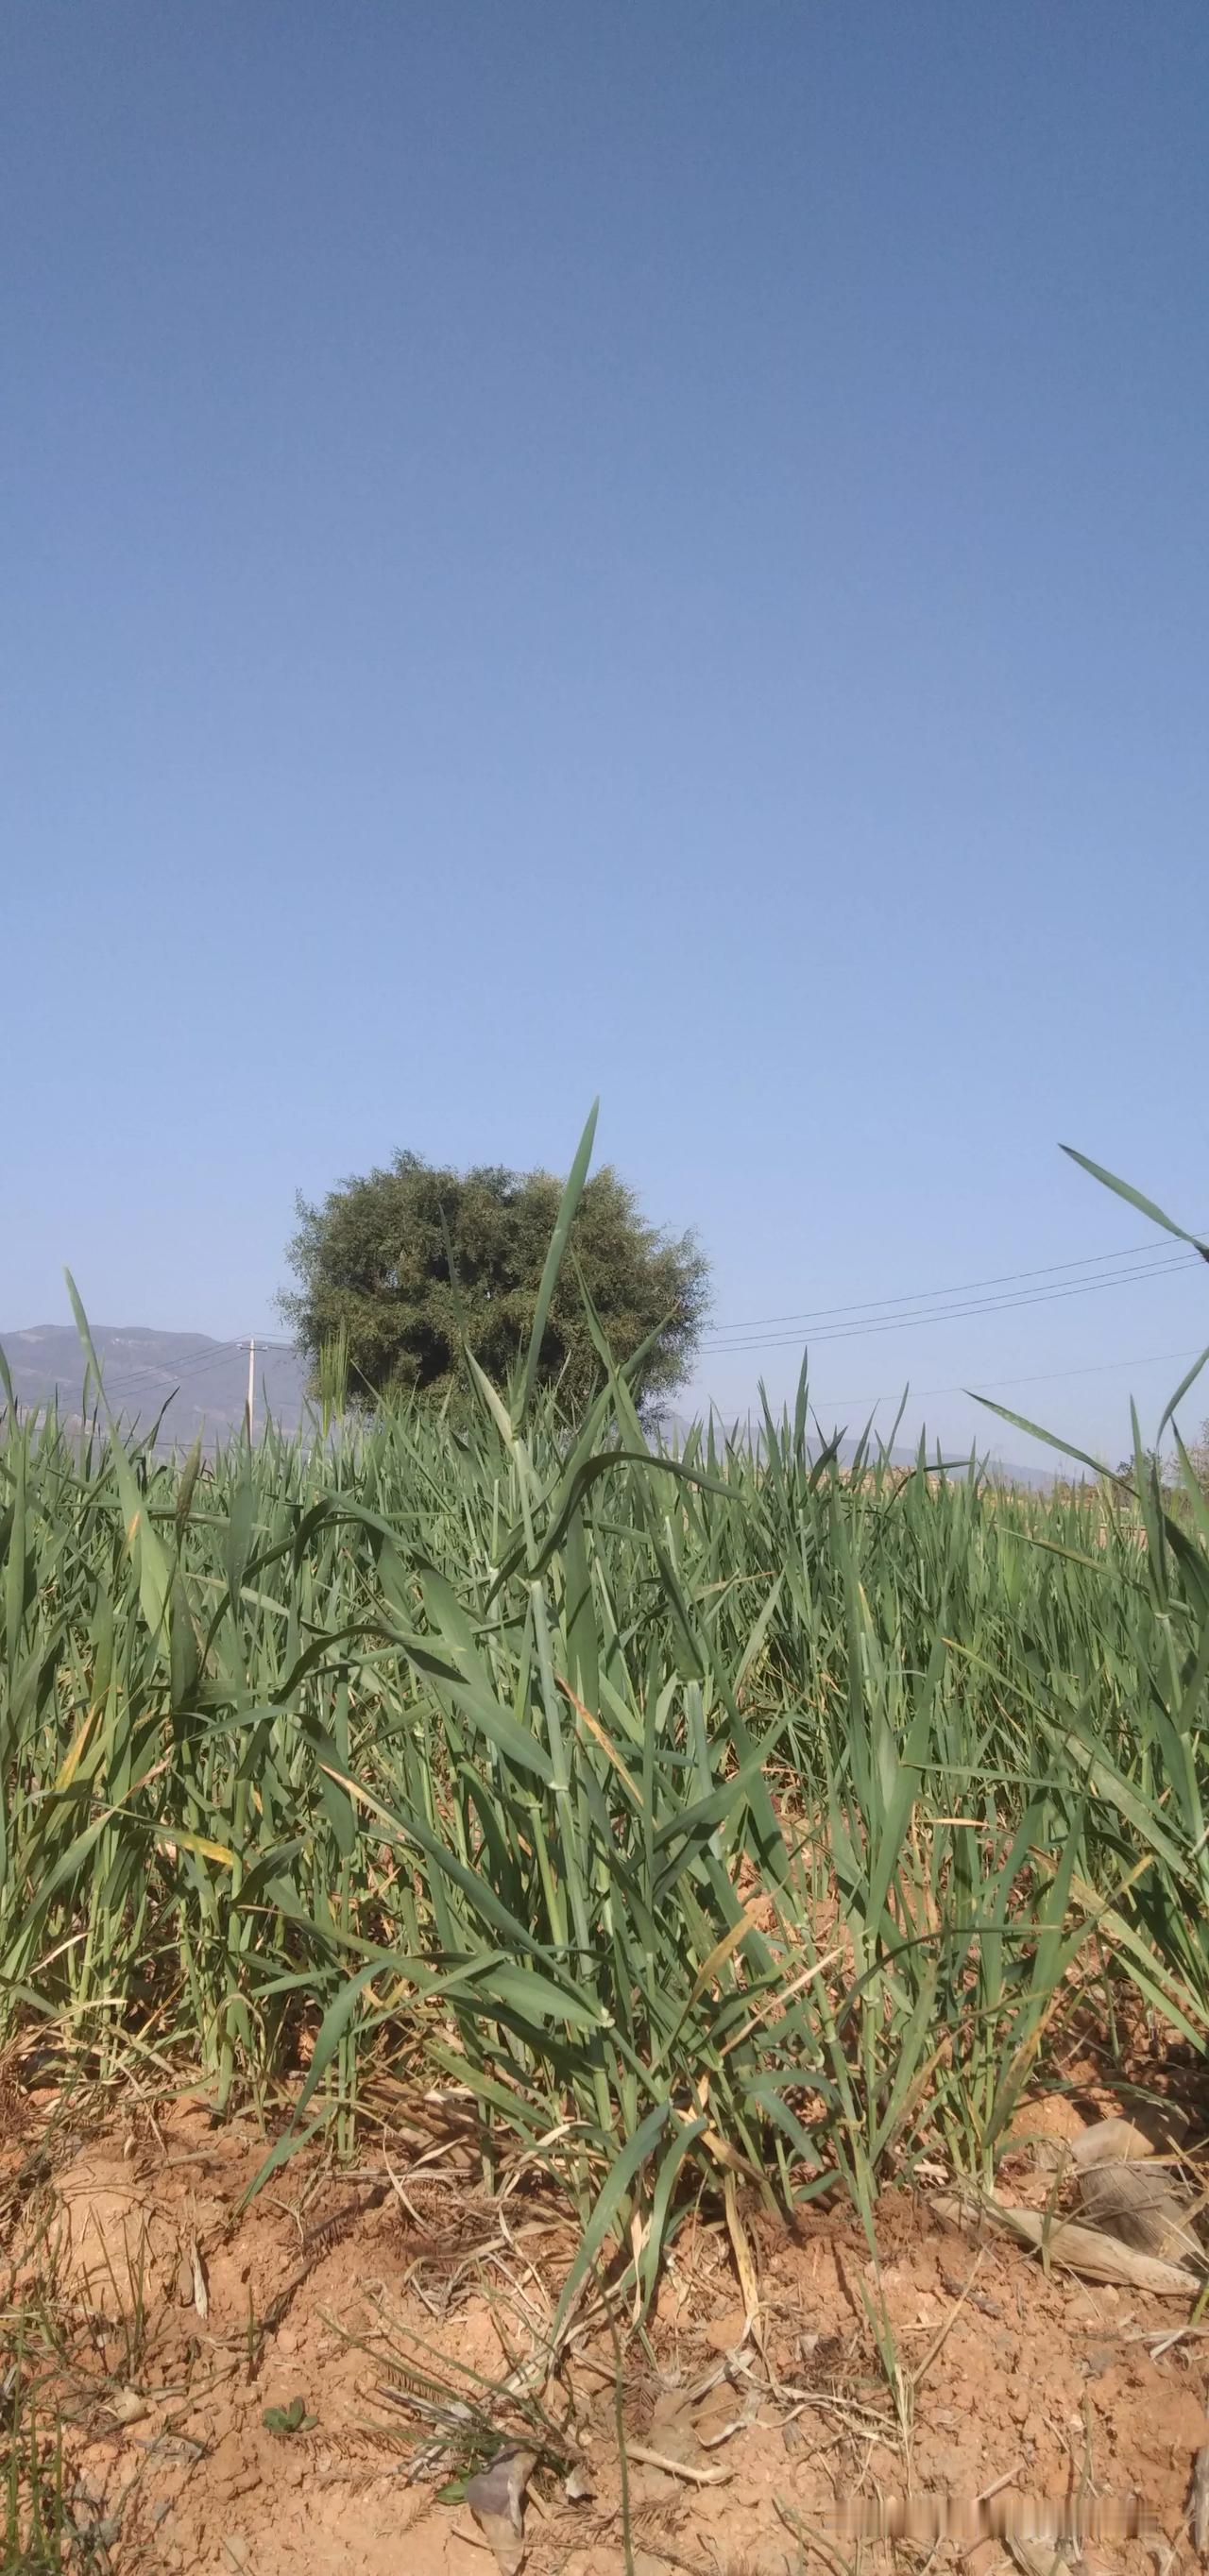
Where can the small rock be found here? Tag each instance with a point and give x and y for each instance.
(128, 2406)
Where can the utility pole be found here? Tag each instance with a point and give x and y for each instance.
(250, 1406)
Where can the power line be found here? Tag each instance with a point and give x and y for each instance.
(919, 1296)
(153, 1374)
(1097, 1368)
(212, 1354)
(146, 1370)
(946, 1314)
(154, 1380)
(150, 1382)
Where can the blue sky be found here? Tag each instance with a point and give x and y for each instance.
(585, 548)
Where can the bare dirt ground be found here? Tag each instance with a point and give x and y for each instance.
(169, 2326)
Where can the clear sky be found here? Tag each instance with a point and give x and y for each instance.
(590, 547)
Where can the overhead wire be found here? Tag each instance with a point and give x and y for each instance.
(153, 1379)
(959, 1288)
(986, 1386)
(943, 1314)
(153, 1374)
(144, 1385)
(210, 1354)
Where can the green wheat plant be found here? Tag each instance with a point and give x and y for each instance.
(723, 1815)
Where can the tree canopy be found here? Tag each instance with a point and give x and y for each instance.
(373, 1263)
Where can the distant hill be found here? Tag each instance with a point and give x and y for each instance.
(203, 1382)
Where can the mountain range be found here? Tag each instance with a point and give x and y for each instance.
(203, 1382)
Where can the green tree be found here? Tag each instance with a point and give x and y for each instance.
(373, 1265)
(1153, 1464)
